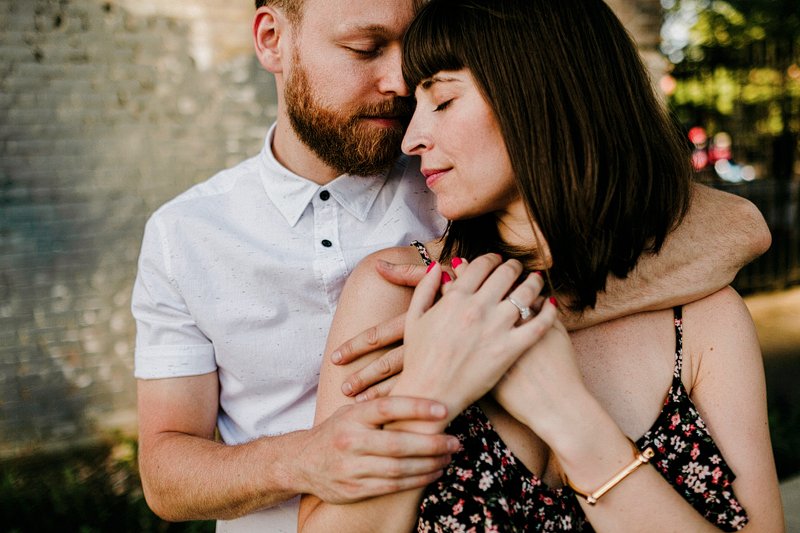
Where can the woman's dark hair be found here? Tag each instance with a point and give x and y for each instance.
(601, 168)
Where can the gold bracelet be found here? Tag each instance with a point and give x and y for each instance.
(639, 459)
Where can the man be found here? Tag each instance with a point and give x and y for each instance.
(239, 277)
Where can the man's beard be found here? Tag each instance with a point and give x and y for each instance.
(346, 143)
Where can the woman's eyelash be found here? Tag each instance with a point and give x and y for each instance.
(443, 105)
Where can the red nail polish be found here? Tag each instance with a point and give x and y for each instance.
(538, 273)
(553, 301)
(430, 267)
(456, 261)
(446, 277)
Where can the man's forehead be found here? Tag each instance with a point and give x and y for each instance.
(371, 16)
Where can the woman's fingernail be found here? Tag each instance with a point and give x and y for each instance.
(446, 277)
(430, 267)
(347, 389)
(456, 262)
(336, 357)
(553, 301)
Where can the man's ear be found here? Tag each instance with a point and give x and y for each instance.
(270, 28)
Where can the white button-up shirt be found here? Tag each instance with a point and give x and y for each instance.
(241, 275)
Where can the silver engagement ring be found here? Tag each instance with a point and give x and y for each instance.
(525, 312)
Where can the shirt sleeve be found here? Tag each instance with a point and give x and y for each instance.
(168, 341)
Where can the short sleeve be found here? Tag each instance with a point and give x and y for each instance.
(168, 341)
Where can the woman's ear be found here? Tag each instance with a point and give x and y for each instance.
(270, 28)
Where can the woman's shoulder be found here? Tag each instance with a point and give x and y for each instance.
(719, 334)
(368, 290)
(715, 314)
(724, 301)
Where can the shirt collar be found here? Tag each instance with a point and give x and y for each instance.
(291, 193)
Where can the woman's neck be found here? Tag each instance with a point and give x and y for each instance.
(519, 232)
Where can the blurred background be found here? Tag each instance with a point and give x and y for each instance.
(110, 108)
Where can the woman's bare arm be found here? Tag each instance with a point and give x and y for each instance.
(726, 386)
(366, 298)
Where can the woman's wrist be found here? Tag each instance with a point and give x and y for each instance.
(416, 389)
(591, 448)
(556, 416)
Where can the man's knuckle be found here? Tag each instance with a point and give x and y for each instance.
(409, 270)
(382, 389)
(346, 349)
(356, 381)
(397, 357)
(385, 366)
(373, 335)
(368, 394)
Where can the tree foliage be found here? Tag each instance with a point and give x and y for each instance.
(736, 65)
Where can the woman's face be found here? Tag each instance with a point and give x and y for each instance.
(464, 158)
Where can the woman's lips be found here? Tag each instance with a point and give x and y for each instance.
(432, 175)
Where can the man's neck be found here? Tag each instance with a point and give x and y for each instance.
(293, 154)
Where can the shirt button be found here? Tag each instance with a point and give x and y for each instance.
(326, 243)
(324, 195)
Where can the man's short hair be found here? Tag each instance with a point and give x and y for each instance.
(292, 8)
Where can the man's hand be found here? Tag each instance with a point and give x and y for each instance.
(377, 379)
(349, 457)
(405, 275)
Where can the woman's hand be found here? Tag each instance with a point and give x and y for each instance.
(544, 388)
(457, 349)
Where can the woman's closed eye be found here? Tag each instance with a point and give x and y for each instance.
(443, 105)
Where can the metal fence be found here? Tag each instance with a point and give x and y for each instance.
(779, 202)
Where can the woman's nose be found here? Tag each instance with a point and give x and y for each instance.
(415, 141)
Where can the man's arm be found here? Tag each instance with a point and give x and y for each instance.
(720, 234)
(187, 475)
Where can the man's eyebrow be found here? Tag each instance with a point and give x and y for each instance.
(427, 83)
(360, 30)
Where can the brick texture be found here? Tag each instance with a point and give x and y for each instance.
(108, 109)
(105, 113)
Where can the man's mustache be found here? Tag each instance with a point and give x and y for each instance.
(400, 108)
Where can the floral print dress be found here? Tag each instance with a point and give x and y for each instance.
(485, 487)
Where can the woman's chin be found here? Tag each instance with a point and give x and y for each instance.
(451, 212)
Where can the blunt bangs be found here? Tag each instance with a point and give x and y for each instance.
(431, 44)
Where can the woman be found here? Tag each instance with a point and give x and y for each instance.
(539, 134)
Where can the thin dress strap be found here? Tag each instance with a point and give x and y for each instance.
(423, 252)
(678, 318)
